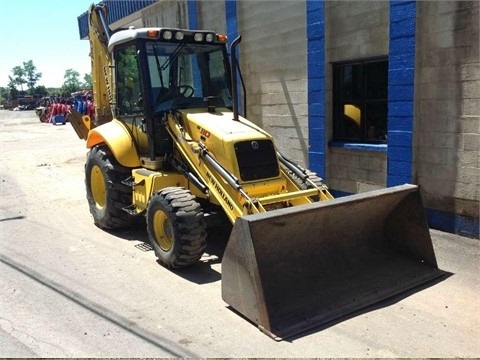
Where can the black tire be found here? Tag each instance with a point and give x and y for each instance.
(176, 229)
(106, 195)
(44, 117)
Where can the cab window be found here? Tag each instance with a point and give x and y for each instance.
(127, 82)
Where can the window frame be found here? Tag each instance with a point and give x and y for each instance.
(339, 100)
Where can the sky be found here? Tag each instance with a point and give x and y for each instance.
(46, 32)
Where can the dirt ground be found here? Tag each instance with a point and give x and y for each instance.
(69, 289)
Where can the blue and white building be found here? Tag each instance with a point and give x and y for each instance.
(369, 94)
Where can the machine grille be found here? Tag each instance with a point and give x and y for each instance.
(257, 159)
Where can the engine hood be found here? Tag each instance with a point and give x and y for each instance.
(237, 145)
(203, 125)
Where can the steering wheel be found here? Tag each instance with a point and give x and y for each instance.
(186, 90)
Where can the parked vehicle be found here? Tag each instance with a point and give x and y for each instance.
(167, 142)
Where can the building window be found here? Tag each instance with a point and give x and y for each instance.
(360, 100)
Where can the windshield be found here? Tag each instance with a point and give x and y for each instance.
(184, 75)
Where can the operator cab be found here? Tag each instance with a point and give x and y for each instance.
(159, 69)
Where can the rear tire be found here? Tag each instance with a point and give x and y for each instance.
(176, 229)
(106, 195)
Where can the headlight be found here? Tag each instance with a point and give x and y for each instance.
(179, 35)
(167, 35)
(209, 37)
(198, 37)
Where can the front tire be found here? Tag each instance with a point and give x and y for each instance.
(106, 195)
(176, 229)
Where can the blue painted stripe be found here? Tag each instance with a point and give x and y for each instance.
(231, 19)
(453, 223)
(232, 33)
(192, 14)
(192, 25)
(441, 220)
(401, 73)
(316, 85)
(358, 146)
(339, 193)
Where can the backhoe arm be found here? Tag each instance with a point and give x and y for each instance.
(102, 79)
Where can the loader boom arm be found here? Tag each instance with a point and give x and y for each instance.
(232, 196)
(102, 78)
(190, 151)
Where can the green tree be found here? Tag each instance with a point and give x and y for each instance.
(18, 78)
(40, 91)
(32, 76)
(4, 94)
(87, 81)
(52, 90)
(71, 82)
(12, 86)
(21, 75)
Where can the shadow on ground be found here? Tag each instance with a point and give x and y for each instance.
(201, 272)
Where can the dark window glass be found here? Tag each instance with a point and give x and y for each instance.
(128, 82)
(360, 100)
(183, 75)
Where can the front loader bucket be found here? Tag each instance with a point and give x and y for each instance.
(293, 269)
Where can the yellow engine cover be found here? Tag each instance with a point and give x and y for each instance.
(219, 133)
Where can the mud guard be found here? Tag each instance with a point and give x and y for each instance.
(294, 269)
(118, 139)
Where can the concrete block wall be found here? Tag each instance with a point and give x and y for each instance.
(211, 15)
(166, 13)
(447, 111)
(357, 171)
(273, 62)
(205, 14)
(356, 29)
(347, 38)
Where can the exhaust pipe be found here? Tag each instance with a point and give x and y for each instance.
(233, 72)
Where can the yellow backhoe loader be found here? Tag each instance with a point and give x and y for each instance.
(167, 142)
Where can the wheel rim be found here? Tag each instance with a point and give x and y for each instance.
(162, 230)
(97, 185)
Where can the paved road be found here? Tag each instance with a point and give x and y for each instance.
(69, 289)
